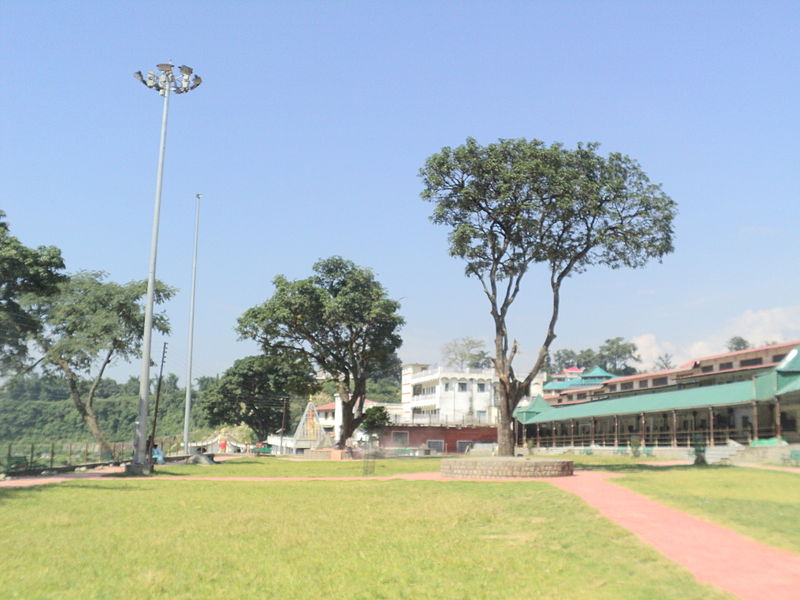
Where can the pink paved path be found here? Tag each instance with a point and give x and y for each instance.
(714, 554)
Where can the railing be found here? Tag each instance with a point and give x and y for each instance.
(663, 438)
(444, 421)
(19, 457)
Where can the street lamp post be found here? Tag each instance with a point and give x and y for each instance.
(188, 407)
(164, 83)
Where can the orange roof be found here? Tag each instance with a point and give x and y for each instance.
(737, 352)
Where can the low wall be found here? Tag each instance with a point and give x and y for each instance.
(494, 468)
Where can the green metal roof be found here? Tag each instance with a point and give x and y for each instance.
(598, 372)
(740, 392)
(534, 407)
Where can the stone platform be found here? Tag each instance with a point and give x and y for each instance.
(500, 467)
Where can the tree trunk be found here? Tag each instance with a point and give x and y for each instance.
(87, 413)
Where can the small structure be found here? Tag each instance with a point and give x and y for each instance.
(309, 435)
(504, 467)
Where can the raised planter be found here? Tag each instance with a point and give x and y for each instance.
(500, 467)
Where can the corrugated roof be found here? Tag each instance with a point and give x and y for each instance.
(598, 372)
(533, 408)
(739, 392)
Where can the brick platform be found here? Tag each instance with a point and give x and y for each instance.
(497, 468)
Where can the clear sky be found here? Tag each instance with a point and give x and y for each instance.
(314, 119)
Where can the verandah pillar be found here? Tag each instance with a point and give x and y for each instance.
(538, 435)
(642, 430)
(616, 431)
(778, 431)
(572, 432)
(591, 443)
(674, 428)
(711, 425)
(553, 427)
(755, 419)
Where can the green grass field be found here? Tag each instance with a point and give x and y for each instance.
(763, 505)
(282, 467)
(169, 537)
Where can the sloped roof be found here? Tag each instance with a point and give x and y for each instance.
(534, 407)
(598, 372)
(761, 388)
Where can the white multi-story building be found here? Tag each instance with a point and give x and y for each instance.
(448, 395)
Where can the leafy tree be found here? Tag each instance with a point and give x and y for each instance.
(515, 204)
(664, 362)
(737, 343)
(253, 390)
(339, 319)
(90, 324)
(375, 419)
(466, 352)
(563, 359)
(23, 270)
(615, 355)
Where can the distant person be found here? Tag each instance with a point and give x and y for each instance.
(158, 455)
(223, 446)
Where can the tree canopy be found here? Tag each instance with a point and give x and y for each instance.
(465, 353)
(737, 343)
(518, 203)
(340, 319)
(253, 391)
(23, 271)
(88, 324)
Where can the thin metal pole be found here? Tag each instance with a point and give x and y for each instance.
(144, 379)
(188, 403)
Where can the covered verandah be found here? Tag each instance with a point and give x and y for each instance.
(765, 407)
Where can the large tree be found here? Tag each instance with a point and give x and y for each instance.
(340, 319)
(737, 343)
(465, 353)
(255, 390)
(87, 325)
(23, 271)
(616, 354)
(518, 203)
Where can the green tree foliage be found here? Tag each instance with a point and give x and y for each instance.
(737, 343)
(23, 271)
(88, 324)
(466, 352)
(375, 419)
(340, 319)
(615, 355)
(664, 362)
(253, 391)
(518, 203)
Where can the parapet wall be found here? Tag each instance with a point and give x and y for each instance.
(496, 468)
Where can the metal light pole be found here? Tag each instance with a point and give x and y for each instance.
(164, 83)
(188, 404)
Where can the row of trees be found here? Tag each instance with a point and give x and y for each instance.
(509, 207)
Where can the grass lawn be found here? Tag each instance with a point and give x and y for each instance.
(590, 461)
(180, 539)
(763, 505)
(282, 467)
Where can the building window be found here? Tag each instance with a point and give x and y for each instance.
(463, 445)
(400, 438)
(751, 362)
(725, 366)
(481, 387)
(612, 387)
(643, 383)
(446, 387)
(582, 396)
(436, 445)
(626, 386)
(707, 368)
(462, 387)
(660, 381)
(778, 357)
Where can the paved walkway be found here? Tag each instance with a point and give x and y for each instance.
(713, 554)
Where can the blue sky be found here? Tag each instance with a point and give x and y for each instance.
(314, 119)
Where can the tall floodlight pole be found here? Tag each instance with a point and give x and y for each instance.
(164, 83)
(188, 407)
